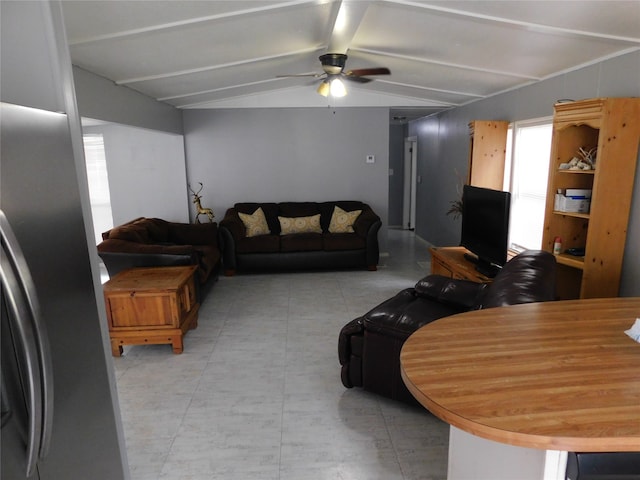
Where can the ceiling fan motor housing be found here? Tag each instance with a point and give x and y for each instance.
(333, 63)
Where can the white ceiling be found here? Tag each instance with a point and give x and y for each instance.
(442, 54)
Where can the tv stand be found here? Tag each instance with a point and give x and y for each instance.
(470, 257)
(452, 262)
(487, 269)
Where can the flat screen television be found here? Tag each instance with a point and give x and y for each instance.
(485, 227)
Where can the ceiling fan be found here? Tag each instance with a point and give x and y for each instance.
(333, 72)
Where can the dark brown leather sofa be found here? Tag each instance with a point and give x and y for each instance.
(369, 346)
(150, 242)
(317, 250)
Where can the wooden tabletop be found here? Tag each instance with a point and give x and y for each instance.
(154, 278)
(553, 376)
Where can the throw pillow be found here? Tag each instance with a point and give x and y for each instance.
(291, 225)
(342, 221)
(255, 224)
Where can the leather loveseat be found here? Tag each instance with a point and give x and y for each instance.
(149, 242)
(369, 346)
(299, 235)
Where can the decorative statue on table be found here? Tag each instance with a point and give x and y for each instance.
(200, 210)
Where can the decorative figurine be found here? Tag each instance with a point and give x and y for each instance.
(200, 210)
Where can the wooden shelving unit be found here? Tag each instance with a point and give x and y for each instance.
(612, 125)
(487, 147)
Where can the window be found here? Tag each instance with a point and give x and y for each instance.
(98, 184)
(526, 179)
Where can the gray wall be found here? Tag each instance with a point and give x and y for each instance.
(144, 149)
(102, 99)
(146, 171)
(443, 146)
(298, 154)
(33, 70)
(397, 134)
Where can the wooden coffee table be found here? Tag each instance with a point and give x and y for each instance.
(152, 305)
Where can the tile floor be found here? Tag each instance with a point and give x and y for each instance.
(257, 392)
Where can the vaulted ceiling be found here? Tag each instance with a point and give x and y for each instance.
(442, 54)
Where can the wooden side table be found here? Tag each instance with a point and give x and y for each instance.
(151, 306)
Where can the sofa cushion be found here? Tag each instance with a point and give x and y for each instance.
(403, 314)
(255, 224)
(293, 225)
(298, 209)
(301, 242)
(193, 234)
(270, 211)
(327, 208)
(342, 221)
(261, 244)
(130, 233)
(157, 229)
(459, 293)
(343, 241)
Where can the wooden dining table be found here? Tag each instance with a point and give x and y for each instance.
(541, 378)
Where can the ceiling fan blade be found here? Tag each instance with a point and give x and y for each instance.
(355, 78)
(315, 75)
(358, 72)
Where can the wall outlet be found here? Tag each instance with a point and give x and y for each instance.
(371, 159)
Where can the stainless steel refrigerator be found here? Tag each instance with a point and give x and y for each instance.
(60, 418)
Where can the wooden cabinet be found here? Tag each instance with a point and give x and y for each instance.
(151, 305)
(450, 262)
(612, 126)
(488, 145)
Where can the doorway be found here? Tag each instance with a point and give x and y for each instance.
(410, 183)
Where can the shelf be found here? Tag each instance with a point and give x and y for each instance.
(612, 126)
(570, 260)
(576, 172)
(572, 214)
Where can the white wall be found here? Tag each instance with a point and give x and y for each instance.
(298, 154)
(147, 176)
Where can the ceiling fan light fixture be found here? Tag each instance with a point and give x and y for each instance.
(324, 88)
(337, 88)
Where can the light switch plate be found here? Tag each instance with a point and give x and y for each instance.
(371, 158)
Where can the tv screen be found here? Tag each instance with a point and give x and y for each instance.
(485, 226)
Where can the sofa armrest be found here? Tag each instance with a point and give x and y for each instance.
(194, 233)
(115, 262)
(354, 327)
(451, 291)
(233, 224)
(365, 221)
(228, 250)
(373, 249)
(124, 246)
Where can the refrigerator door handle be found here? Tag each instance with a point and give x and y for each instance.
(21, 299)
(6, 409)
